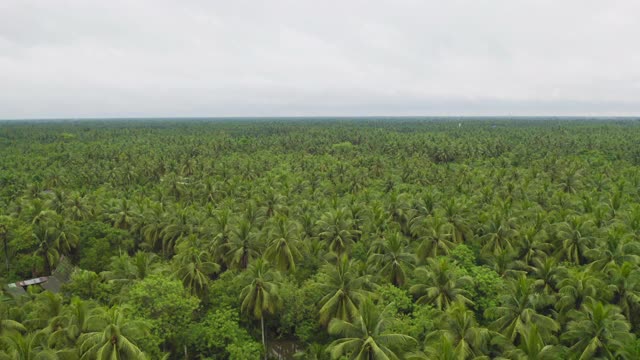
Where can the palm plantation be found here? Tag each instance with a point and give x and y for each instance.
(365, 239)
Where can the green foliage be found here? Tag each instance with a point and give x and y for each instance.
(218, 335)
(497, 239)
(397, 299)
(88, 285)
(100, 242)
(166, 304)
(224, 292)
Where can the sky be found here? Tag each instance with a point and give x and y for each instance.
(157, 58)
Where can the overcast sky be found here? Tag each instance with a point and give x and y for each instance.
(144, 58)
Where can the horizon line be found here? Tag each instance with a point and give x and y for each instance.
(328, 117)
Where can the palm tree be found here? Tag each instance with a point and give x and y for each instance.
(254, 215)
(5, 223)
(442, 350)
(65, 328)
(598, 331)
(435, 239)
(122, 214)
(439, 285)
(575, 239)
(272, 203)
(243, 246)
(32, 346)
(282, 246)
(518, 311)
(124, 268)
(614, 249)
(578, 287)
(144, 264)
(57, 201)
(497, 235)
(47, 249)
(626, 282)
(111, 335)
(455, 212)
(44, 307)
(194, 266)
(66, 236)
(367, 338)
(547, 274)
(8, 325)
(260, 297)
(458, 327)
(335, 227)
(315, 351)
(179, 227)
(400, 210)
(359, 215)
(344, 289)
(379, 220)
(77, 207)
(393, 258)
(533, 347)
(153, 221)
(532, 245)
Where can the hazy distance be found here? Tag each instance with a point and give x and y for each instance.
(77, 59)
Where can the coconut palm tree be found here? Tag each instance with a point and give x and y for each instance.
(66, 236)
(438, 284)
(598, 331)
(47, 249)
(344, 289)
(335, 227)
(519, 310)
(124, 268)
(575, 239)
(456, 212)
(153, 221)
(626, 285)
(458, 327)
(193, 265)
(182, 224)
(532, 245)
(367, 337)
(613, 250)
(434, 237)
(5, 224)
(31, 346)
(111, 335)
(122, 214)
(497, 235)
(260, 297)
(244, 245)
(77, 207)
(392, 257)
(547, 274)
(63, 330)
(443, 350)
(578, 287)
(283, 244)
(533, 347)
(220, 231)
(45, 306)
(9, 325)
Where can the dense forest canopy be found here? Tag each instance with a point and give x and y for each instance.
(333, 239)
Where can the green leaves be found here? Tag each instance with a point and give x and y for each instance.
(365, 337)
(165, 304)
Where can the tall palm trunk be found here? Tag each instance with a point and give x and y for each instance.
(47, 265)
(264, 343)
(6, 250)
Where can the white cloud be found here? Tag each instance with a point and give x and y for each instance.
(243, 58)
